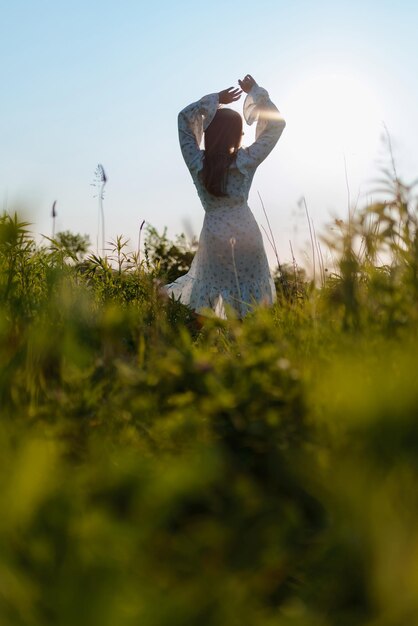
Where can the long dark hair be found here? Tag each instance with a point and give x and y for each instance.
(222, 140)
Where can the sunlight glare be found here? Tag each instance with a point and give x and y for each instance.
(334, 114)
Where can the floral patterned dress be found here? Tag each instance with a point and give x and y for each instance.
(229, 272)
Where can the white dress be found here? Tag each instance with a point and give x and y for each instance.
(229, 272)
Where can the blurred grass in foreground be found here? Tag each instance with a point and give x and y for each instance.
(253, 473)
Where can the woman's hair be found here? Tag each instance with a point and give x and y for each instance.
(222, 140)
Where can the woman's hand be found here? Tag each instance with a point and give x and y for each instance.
(247, 83)
(232, 94)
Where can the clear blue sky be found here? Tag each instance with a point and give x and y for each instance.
(102, 82)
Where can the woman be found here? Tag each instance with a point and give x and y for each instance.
(229, 273)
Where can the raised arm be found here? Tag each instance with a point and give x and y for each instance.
(270, 123)
(194, 120)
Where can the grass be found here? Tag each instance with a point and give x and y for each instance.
(254, 473)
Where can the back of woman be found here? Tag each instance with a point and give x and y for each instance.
(229, 273)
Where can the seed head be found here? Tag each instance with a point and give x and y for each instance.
(101, 174)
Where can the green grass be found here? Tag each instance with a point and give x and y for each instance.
(260, 472)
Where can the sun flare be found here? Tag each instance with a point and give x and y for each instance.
(334, 114)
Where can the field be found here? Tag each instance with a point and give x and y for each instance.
(252, 473)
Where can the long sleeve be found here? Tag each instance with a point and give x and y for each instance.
(270, 124)
(192, 122)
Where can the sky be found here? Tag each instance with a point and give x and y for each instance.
(88, 82)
